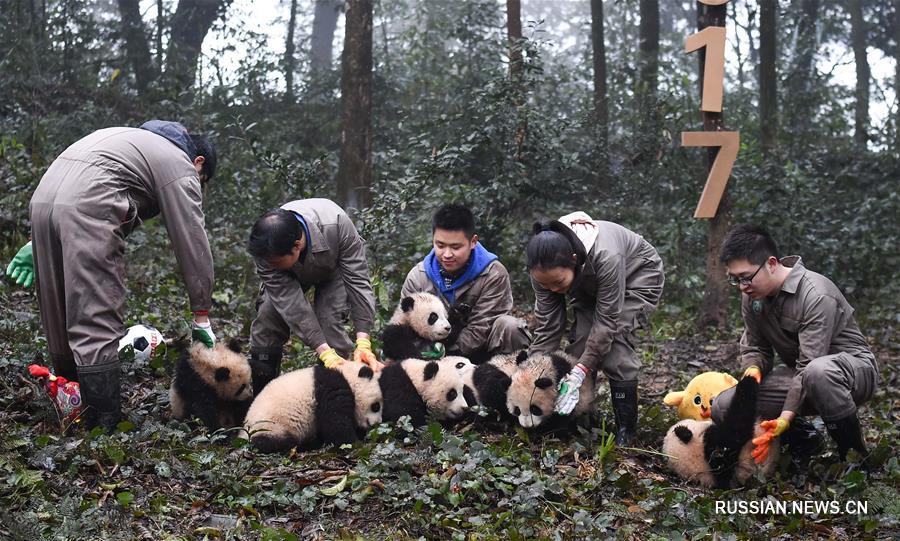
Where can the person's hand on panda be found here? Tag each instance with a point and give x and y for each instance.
(201, 329)
(569, 390)
(329, 356)
(773, 428)
(364, 354)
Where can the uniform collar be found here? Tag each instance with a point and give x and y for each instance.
(316, 242)
(792, 281)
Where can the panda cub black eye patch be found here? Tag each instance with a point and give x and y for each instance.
(517, 411)
(432, 319)
(376, 407)
(451, 395)
(536, 411)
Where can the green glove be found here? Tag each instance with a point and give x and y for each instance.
(21, 268)
(202, 332)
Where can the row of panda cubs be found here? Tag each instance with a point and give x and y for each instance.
(316, 406)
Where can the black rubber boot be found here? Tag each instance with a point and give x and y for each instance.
(265, 365)
(847, 434)
(100, 396)
(64, 366)
(803, 439)
(625, 409)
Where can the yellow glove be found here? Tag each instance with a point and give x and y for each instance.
(363, 354)
(330, 358)
(773, 429)
(754, 372)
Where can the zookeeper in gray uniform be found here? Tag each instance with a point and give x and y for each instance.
(309, 243)
(614, 278)
(827, 367)
(473, 282)
(92, 196)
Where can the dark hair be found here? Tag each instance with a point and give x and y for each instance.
(274, 234)
(454, 217)
(205, 148)
(552, 245)
(750, 242)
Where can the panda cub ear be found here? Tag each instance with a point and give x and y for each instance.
(222, 374)
(407, 304)
(522, 356)
(234, 345)
(431, 370)
(543, 383)
(684, 434)
(366, 373)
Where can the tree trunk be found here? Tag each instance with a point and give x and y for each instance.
(648, 55)
(289, 60)
(768, 90)
(160, 23)
(858, 39)
(715, 294)
(800, 102)
(137, 49)
(897, 72)
(516, 74)
(601, 107)
(190, 24)
(322, 40)
(354, 177)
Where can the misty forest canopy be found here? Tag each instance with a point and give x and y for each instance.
(583, 111)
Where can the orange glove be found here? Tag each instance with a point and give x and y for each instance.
(363, 354)
(773, 429)
(754, 372)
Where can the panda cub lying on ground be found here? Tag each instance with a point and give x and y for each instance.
(535, 385)
(718, 455)
(420, 328)
(315, 406)
(487, 384)
(416, 388)
(213, 384)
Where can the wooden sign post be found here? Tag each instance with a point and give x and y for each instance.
(710, 41)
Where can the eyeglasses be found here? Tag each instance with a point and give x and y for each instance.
(734, 280)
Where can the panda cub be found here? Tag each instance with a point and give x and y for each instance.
(487, 384)
(212, 383)
(419, 322)
(719, 455)
(415, 387)
(315, 406)
(534, 387)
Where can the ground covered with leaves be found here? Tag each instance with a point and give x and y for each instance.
(161, 479)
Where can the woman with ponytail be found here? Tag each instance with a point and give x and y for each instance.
(613, 279)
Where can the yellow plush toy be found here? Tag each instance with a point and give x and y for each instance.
(695, 401)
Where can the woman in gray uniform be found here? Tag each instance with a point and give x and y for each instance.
(613, 279)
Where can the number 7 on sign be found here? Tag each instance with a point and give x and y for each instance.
(728, 143)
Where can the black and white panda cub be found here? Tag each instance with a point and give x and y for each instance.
(531, 396)
(315, 406)
(719, 455)
(415, 387)
(419, 322)
(487, 384)
(213, 384)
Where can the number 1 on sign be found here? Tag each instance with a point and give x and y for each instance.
(728, 143)
(713, 39)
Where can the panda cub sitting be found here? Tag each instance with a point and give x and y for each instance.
(315, 406)
(213, 384)
(416, 388)
(417, 329)
(719, 455)
(535, 385)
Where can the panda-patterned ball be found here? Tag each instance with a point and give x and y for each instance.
(142, 339)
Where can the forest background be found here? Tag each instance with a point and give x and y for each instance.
(391, 107)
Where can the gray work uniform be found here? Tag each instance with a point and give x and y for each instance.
(490, 327)
(828, 368)
(92, 196)
(334, 265)
(612, 295)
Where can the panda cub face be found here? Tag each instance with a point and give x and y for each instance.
(426, 314)
(440, 385)
(532, 393)
(224, 370)
(363, 382)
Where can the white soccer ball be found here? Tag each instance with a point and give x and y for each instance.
(142, 339)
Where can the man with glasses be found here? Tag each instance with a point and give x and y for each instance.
(89, 200)
(826, 367)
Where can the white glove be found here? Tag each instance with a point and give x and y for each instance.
(202, 332)
(568, 390)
